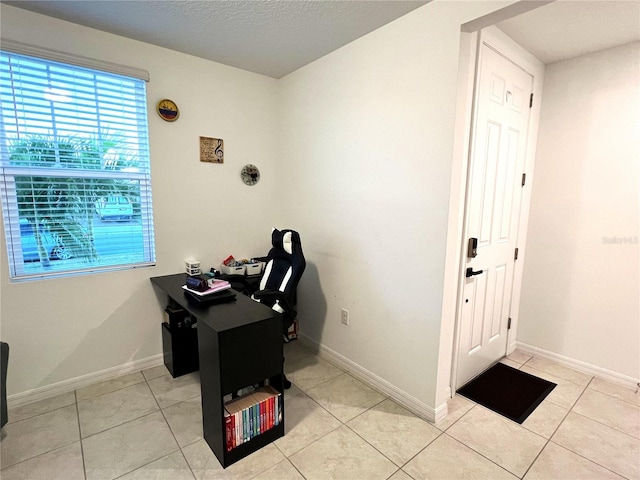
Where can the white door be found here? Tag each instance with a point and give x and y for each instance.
(494, 191)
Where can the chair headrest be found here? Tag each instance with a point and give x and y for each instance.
(287, 240)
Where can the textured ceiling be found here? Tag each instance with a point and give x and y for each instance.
(276, 37)
(567, 29)
(273, 37)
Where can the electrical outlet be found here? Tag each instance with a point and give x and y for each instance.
(344, 316)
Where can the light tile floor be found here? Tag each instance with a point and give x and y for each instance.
(147, 426)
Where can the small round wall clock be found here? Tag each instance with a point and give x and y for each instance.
(250, 174)
(168, 110)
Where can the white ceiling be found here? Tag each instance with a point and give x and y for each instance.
(276, 37)
(270, 37)
(567, 29)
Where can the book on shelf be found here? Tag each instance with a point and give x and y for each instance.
(252, 414)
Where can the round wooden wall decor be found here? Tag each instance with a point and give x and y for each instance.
(168, 110)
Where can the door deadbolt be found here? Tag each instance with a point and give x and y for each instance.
(472, 248)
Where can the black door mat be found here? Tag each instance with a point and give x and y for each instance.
(507, 391)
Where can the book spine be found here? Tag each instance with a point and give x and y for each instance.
(274, 408)
(252, 412)
(255, 422)
(252, 421)
(245, 425)
(236, 424)
(279, 403)
(274, 400)
(255, 409)
(229, 430)
(242, 430)
(238, 428)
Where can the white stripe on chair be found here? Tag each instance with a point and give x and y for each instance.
(286, 279)
(265, 275)
(286, 243)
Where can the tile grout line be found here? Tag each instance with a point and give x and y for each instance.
(84, 466)
(441, 432)
(319, 438)
(613, 396)
(120, 424)
(345, 424)
(372, 406)
(473, 449)
(419, 452)
(561, 377)
(172, 432)
(588, 459)
(482, 455)
(569, 410)
(608, 426)
(322, 383)
(375, 448)
(111, 391)
(35, 415)
(179, 449)
(341, 425)
(53, 449)
(597, 421)
(444, 432)
(550, 440)
(287, 459)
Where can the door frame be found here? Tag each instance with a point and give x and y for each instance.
(470, 48)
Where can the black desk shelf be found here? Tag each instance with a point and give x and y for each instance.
(240, 344)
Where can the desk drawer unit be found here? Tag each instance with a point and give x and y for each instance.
(180, 348)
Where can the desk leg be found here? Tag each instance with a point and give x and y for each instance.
(210, 386)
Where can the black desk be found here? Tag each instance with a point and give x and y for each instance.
(240, 344)
(243, 284)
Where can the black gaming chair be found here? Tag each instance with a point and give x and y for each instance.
(284, 268)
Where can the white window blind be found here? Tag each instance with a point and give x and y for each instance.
(74, 169)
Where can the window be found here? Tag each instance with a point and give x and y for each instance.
(74, 169)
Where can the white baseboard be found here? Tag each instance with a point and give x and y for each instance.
(409, 402)
(72, 384)
(580, 365)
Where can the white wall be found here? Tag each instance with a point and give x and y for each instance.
(355, 152)
(63, 329)
(367, 136)
(580, 293)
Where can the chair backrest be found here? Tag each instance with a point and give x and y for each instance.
(285, 265)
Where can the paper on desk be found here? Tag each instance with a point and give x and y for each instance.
(218, 286)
